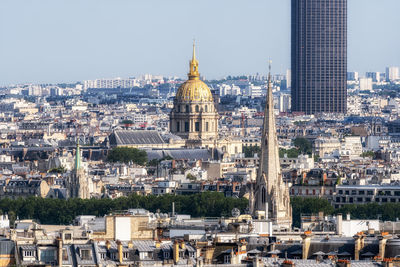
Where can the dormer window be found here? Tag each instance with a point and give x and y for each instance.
(85, 254)
(29, 253)
(166, 254)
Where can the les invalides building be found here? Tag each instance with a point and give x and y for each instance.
(194, 116)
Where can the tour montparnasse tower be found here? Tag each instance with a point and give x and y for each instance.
(271, 198)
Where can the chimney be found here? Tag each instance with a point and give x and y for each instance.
(108, 245)
(176, 251)
(357, 246)
(306, 244)
(339, 224)
(130, 245)
(158, 244)
(120, 258)
(183, 246)
(348, 217)
(60, 251)
(382, 244)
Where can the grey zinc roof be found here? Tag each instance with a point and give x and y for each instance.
(127, 137)
(144, 245)
(179, 154)
(7, 247)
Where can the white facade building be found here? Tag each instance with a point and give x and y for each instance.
(111, 83)
(365, 84)
(392, 73)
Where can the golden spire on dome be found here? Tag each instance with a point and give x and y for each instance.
(194, 65)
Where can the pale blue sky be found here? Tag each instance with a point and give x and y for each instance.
(71, 40)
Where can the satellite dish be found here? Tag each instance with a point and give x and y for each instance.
(235, 212)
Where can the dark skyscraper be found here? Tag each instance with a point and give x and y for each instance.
(319, 56)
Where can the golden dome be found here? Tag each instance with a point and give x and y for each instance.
(194, 89)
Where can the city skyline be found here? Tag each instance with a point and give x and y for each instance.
(88, 41)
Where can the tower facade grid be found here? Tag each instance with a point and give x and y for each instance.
(319, 56)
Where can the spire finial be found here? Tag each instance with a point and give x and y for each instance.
(194, 49)
(194, 65)
(269, 67)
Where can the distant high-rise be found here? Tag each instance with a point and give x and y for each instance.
(392, 74)
(319, 56)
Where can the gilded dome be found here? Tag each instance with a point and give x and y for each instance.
(194, 89)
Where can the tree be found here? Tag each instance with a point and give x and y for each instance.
(249, 151)
(60, 169)
(368, 154)
(308, 206)
(291, 153)
(303, 144)
(127, 154)
(191, 177)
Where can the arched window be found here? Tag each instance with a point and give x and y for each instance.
(206, 108)
(197, 108)
(263, 195)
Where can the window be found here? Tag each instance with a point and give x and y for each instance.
(340, 191)
(125, 255)
(179, 109)
(102, 256)
(47, 255)
(86, 255)
(64, 254)
(166, 254)
(227, 259)
(187, 108)
(197, 108)
(353, 192)
(197, 126)
(206, 126)
(361, 192)
(206, 108)
(370, 193)
(68, 236)
(186, 126)
(178, 126)
(263, 195)
(28, 253)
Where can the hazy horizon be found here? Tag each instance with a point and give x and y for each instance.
(49, 41)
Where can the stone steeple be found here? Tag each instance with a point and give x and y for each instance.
(271, 194)
(77, 183)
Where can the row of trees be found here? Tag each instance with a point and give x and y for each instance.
(57, 211)
(385, 212)
(127, 154)
(207, 204)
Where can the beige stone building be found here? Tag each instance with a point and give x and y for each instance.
(194, 116)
